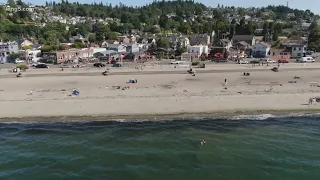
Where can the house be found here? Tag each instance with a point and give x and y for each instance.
(142, 41)
(250, 39)
(197, 51)
(242, 45)
(6, 49)
(135, 56)
(151, 41)
(78, 37)
(291, 15)
(221, 45)
(261, 50)
(71, 55)
(277, 54)
(197, 39)
(174, 39)
(123, 39)
(258, 32)
(132, 47)
(305, 26)
(30, 55)
(107, 56)
(146, 41)
(36, 46)
(24, 42)
(285, 43)
(297, 45)
(107, 42)
(184, 42)
(298, 50)
(120, 48)
(133, 39)
(98, 49)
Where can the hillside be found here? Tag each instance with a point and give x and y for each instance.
(103, 21)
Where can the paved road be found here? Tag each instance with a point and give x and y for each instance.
(200, 71)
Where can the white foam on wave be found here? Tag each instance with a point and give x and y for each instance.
(268, 116)
(252, 117)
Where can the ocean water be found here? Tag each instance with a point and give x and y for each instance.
(263, 147)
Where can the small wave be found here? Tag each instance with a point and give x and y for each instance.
(253, 117)
(269, 116)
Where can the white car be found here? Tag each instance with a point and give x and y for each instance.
(270, 61)
(19, 61)
(243, 62)
(307, 60)
(175, 62)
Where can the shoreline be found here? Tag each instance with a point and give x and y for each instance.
(215, 115)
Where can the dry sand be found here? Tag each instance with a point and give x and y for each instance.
(157, 94)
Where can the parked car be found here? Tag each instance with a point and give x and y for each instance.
(65, 66)
(175, 62)
(283, 61)
(41, 66)
(117, 65)
(270, 61)
(98, 65)
(17, 61)
(306, 60)
(78, 66)
(242, 61)
(255, 62)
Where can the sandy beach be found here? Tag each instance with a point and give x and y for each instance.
(158, 94)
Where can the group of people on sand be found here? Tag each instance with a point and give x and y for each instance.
(312, 100)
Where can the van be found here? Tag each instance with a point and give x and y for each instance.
(306, 59)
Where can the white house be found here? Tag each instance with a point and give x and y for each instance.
(31, 55)
(298, 50)
(198, 50)
(261, 50)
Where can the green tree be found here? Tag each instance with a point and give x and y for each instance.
(92, 38)
(11, 3)
(14, 56)
(313, 25)
(26, 47)
(112, 35)
(163, 43)
(275, 36)
(78, 45)
(163, 21)
(185, 28)
(278, 28)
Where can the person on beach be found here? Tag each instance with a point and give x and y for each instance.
(203, 142)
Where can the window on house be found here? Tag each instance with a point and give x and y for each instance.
(294, 49)
(284, 53)
(299, 54)
(280, 53)
(299, 49)
(275, 53)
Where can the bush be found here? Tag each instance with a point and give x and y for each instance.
(195, 63)
(22, 67)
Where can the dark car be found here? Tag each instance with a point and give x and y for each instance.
(255, 62)
(41, 66)
(98, 65)
(283, 61)
(116, 65)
